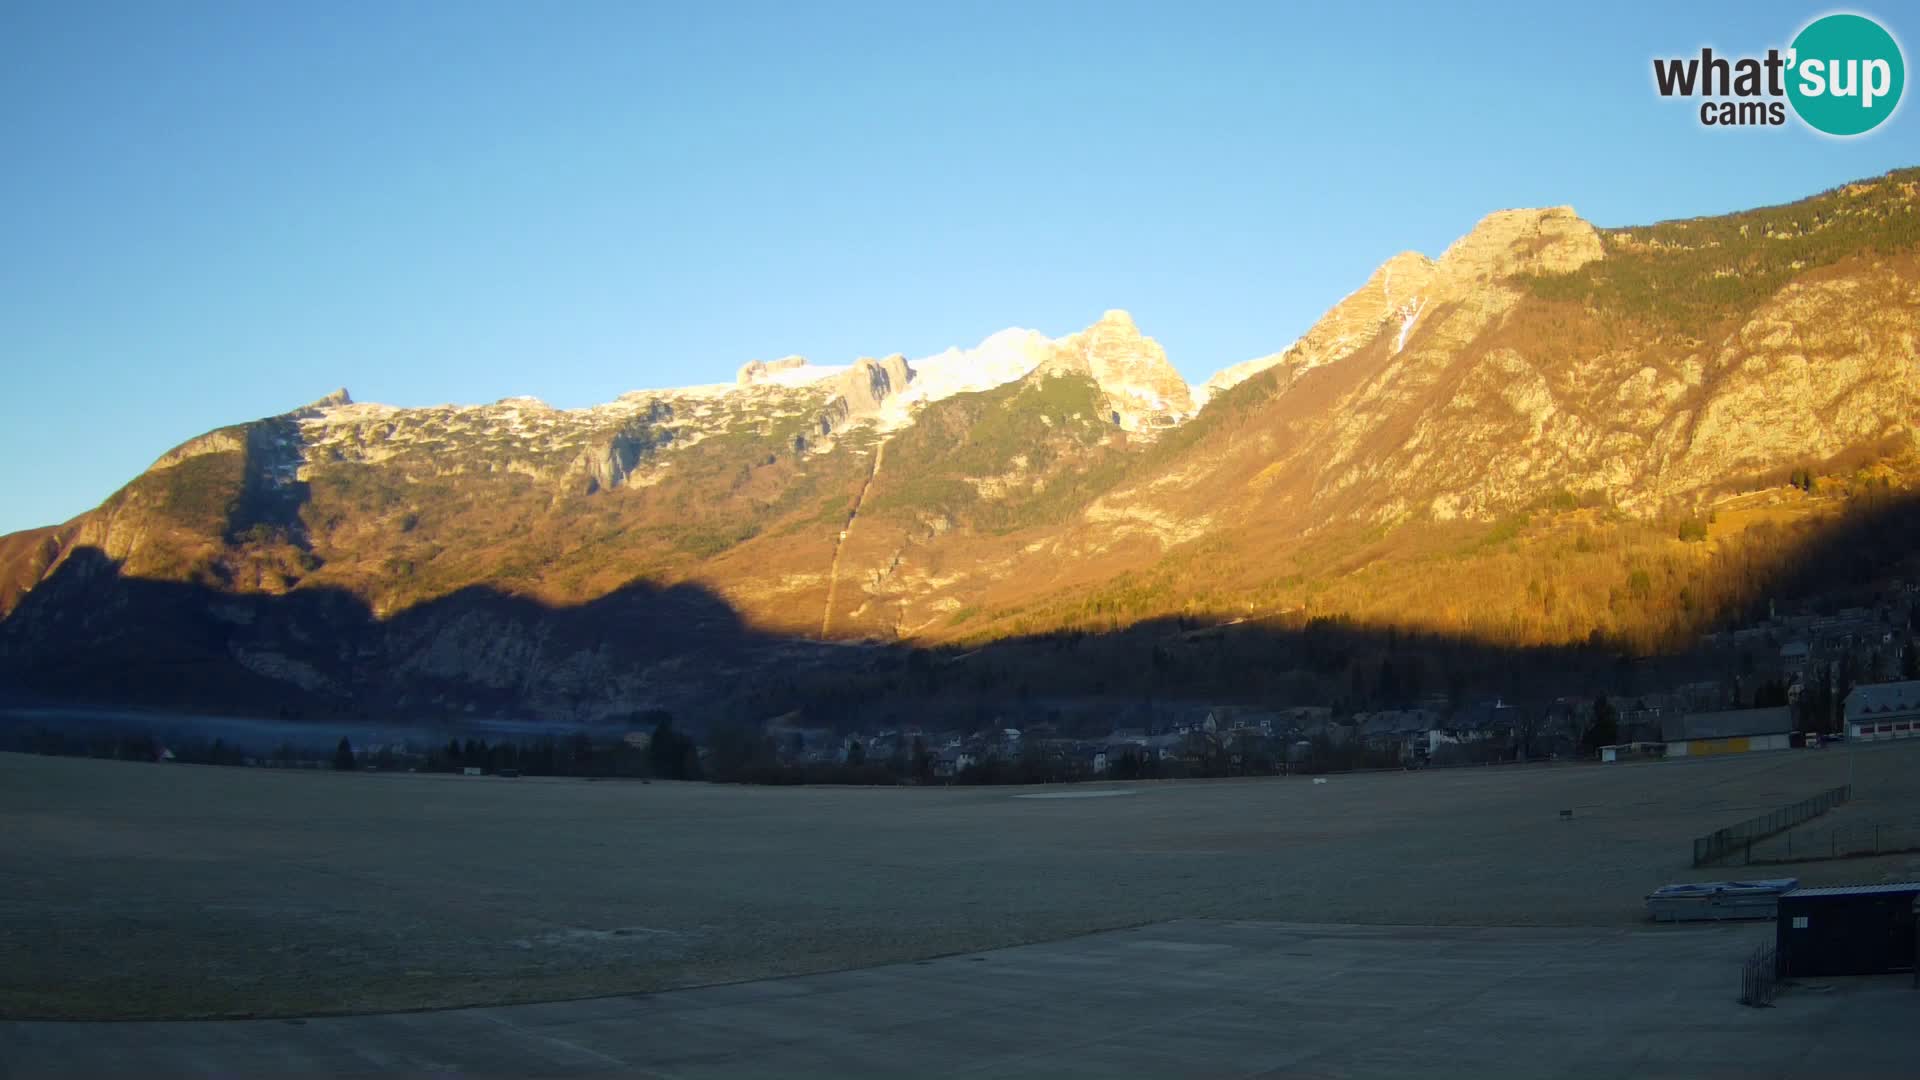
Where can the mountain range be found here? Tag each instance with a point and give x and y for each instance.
(1550, 434)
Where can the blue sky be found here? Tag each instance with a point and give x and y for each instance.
(210, 213)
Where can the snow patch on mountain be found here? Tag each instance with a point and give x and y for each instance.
(787, 371)
(1409, 314)
(1000, 359)
(805, 375)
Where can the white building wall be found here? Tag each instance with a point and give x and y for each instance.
(1905, 727)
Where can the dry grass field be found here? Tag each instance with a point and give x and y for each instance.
(136, 890)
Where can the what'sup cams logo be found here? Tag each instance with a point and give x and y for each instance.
(1842, 75)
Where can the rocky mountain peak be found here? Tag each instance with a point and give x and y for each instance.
(1554, 240)
(869, 382)
(1400, 279)
(860, 391)
(1394, 295)
(1131, 369)
(1505, 243)
(338, 399)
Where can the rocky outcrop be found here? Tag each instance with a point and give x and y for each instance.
(1392, 301)
(861, 390)
(756, 371)
(1504, 244)
(1820, 369)
(1508, 242)
(1433, 416)
(1145, 392)
(338, 399)
(224, 441)
(610, 464)
(871, 382)
(1458, 392)
(25, 558)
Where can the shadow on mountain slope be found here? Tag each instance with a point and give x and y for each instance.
(91, 634)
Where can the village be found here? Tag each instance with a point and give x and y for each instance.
(1789, 681)
(1800, 680)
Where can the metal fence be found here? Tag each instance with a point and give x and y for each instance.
(1760, 977)
(1740, 838)
(1889, 837)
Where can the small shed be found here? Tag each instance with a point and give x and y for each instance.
(1847, 929)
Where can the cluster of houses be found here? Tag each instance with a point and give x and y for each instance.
(1848, 660)
(1239, 739)
(1804, 642)
(1863, 646)
(1871, 712)
(1223, 738)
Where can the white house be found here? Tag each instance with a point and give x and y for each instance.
(1884, 711)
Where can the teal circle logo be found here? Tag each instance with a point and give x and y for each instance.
(1846, 74)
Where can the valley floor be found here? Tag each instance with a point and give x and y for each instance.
(160, 891)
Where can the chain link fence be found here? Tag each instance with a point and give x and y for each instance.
(1889, 837)
(1739, 839)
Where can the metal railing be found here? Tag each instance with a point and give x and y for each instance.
(1740, 838)
(1760, 977)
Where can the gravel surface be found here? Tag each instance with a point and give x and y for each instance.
(134, 890)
